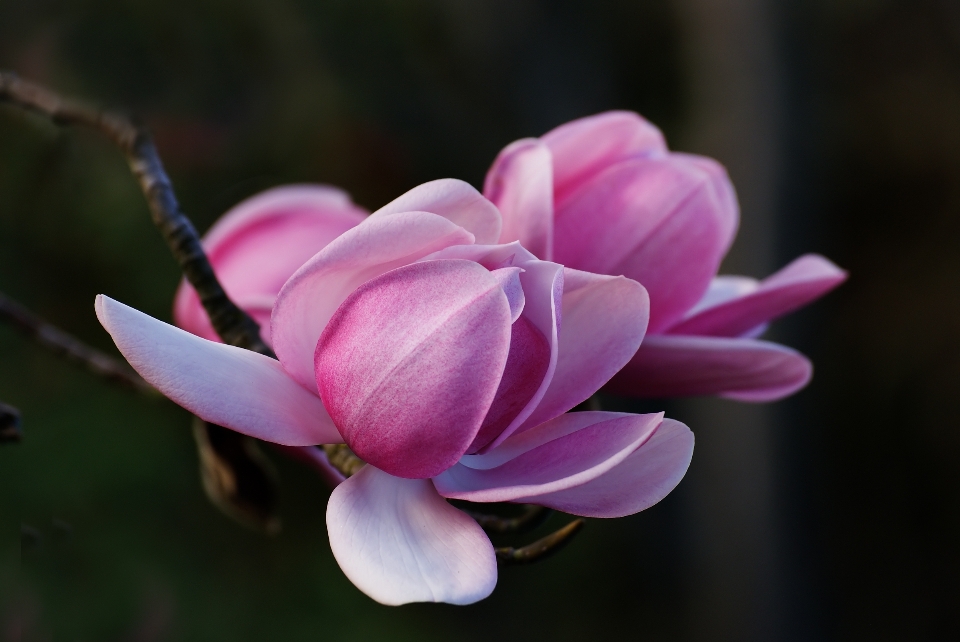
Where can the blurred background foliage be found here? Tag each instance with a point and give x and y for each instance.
(832, 515)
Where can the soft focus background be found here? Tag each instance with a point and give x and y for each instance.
(834, 515)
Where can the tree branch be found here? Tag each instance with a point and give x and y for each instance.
(65, 345)
(233, 325)
(542, 548)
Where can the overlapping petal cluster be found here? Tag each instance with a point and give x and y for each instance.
(445, 359)
(605, 195)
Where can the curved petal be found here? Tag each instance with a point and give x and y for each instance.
(224, 385)
(584, 147)
(744, 369)
(604, 320)
(454, 200)
(492, 257)
(523, 374)
(400, 542)
(726, 194)
(316, 290)
(260, 242)
(659, 221)
(520, 184)
(635, 484)
(509, 280)
(805, 279)
(543, 288)
(572, 458)
(410, 363)
(722, 289)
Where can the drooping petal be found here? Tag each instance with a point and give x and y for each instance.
(635, 484)
(316, 290)
(410, 363)
(398, 541)
(604, 321)
(574, 457)
(454, 200)
(805, 279)
(584, 147)
(224, 385)
(257, 245)
(659, 221)
(744, 369)
(520, 184)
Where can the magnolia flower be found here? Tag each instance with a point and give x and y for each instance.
(605, 195)
(448, 363)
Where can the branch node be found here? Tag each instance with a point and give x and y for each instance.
(542, 548)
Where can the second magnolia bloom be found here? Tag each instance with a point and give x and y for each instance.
(449, 362)
(605, 195)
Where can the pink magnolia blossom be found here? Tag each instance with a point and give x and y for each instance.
(605, 195)
(446, 361)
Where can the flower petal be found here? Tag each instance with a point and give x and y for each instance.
(316, 290)
(807, 278)
(744, 369)
(520, 184)
(398, 541)
(584, 147)
(659, 221)
(454, 200)
(410, 363)
(635, 484)
(509, 280)
(566, 452)
(224, 385)
(260, 242)
(523, 374)
(604, 320)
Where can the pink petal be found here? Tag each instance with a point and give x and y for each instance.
(659, 221)
(722, 289)
(454, 200)
(400, 542)
(573, 453)
(744, 369)
(509, 280)
(410, 363)
(807, 278)
(520, 184)
(491, 257)
(726, 194)
(523, 374)
(312, 295)
(582, 148)
(604, 321)
(224, 385)
(637, 483)
(259, 243)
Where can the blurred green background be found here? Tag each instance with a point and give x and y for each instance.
(832, 515)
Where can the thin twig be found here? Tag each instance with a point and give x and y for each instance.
(542, 548)
(233, 325)
(65, 345)
(531, 517)
(9, 424)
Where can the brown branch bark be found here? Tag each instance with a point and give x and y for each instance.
(69, 347)
(233, 325)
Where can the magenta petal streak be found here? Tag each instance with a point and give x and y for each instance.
(410, 363)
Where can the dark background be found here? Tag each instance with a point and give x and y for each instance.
(834, 515)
